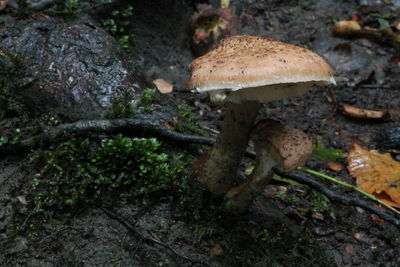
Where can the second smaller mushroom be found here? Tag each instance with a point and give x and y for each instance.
(276, 144)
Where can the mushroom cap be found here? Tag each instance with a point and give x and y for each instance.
(257, 62)
(288, 146)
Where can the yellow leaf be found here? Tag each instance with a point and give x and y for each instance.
(376, 173)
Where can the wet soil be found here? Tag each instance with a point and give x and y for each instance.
(368, 77)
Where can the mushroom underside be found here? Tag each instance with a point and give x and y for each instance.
(263, 94)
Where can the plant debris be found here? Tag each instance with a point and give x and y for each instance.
(163, 86)
(360, 113)
(376, 173)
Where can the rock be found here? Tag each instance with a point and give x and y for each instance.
(77, 69)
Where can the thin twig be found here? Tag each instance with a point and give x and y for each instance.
(50, 236)
(335, 197)
(148, 238)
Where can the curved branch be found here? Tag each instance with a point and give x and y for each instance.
(335, 197)
(142, 126)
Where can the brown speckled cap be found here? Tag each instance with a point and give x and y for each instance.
(256, 62)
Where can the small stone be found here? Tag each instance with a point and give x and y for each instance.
(340, 236)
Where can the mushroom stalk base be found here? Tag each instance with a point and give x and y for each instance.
(220, 170)
(240, 198)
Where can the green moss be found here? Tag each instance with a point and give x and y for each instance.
(287, 197)
(69, 7)
(121, 106)
(320, 203)
(14, 138)
(90, 172)
(118, 23)
(11, 78)
(147, 99)
(187, 122)
(83, 172)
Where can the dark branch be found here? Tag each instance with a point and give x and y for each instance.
(149, 238)
(335, 197)
(142, 126)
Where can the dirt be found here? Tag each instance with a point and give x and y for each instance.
(368, 76)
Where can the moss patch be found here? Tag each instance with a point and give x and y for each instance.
(85, 171)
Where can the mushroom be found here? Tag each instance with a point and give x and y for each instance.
(210, 25)
(247, 71)
(276, 144)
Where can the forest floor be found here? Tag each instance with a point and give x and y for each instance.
(297, 226)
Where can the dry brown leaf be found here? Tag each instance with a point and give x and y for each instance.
(346, 27)
(376, 218)
(334, 166)
(167, 125)
(360, 113)
(318, 216)
(163, 86)
(376, 173)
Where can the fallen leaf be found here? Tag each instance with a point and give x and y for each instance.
(318, 216)
(346, 28)
(376, 218)
(282, 189)
(22, 200)
(376, 173)
(334, 166)
(154, 235)
(360, 113)
(163, 86)
(167, 125)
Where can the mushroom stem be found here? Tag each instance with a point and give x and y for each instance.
(239, 198)
(276, 144)
(220, 169)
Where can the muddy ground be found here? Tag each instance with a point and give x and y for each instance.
(290, 230)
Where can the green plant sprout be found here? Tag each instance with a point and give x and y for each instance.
(344, 184)
(118, 25)
(324, 154)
